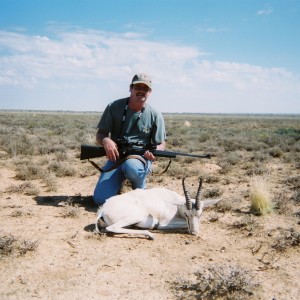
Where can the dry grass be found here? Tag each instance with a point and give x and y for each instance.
(260, 196)
(70, 210)
(10, 245)
(218, 282)
(26, 188)
(286, 239)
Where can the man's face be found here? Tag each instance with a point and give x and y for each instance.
(140, 92)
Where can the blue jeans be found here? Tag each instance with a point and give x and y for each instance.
(110, 183)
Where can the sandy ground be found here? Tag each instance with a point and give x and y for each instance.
(71, 262)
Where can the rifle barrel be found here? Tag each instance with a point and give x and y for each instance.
(174, 154)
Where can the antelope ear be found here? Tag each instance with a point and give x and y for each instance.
(209, 202)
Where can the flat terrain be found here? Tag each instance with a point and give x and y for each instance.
(48, 247)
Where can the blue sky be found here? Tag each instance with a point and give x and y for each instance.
(206, 56)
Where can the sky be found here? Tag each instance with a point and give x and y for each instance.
(204, 56)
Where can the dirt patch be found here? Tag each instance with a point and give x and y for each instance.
(69, 261)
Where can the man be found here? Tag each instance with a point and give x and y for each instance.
(133, 119)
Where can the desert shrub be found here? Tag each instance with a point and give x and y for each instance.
(256, 169)
(26, 246)
(287, 238)
(6, 244)
(44, 148)
(28, 171)
(289, 132)
(247, 223)
(70, 210)
(175, 142)
(233, 158)
(50, 181)
(18, 144)
(226, 167)
(254, 145)
(85, 137)
(247, 165)
(177, 170)
(156, 178)
(61, 169)
(233, 143)
(259, 156)
(213, 217)
(88, 170)
(212, 179)
(44, 160)
(269, 139)
(225, 205)
(49, 148)
(212, 193)
(260, 196)
(61, 156)
(19, 213)
(189, 160)
(276, 152)
(292, 157)
(282, 204)
(10, 245)
(296, 147)
(217, 282)
(296, 197)
(203, 137)
(26, 188)
(293, 180)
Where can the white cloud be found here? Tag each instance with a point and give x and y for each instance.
(212, 29)
(77, 65)
(266, 11)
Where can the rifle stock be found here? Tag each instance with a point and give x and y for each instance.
(89, 151)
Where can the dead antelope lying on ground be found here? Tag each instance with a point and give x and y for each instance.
(156, 208)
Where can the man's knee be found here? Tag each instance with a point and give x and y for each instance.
(136, 172)
(99, 199)
(105, 190)
(133, 168)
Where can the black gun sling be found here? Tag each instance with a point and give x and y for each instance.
(118, 163)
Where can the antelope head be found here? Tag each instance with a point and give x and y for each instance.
(194, 208)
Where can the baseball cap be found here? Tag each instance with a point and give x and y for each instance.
(142, 78)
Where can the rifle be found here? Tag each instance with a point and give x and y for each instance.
(127, 148)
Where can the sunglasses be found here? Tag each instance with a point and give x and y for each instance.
(142, 88)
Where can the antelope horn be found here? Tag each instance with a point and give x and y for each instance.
(187, 196)
(197, 200)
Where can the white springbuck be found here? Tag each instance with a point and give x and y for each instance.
(156, 208)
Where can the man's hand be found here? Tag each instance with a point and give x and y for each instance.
(111, 149)
(149, 155)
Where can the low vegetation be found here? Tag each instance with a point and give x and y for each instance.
(217, 282)
(260, 196)
(13, 246)
(254, 169)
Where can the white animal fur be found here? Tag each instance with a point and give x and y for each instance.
(158, 208)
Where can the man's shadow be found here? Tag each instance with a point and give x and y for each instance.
(60, 201)
(77, 200)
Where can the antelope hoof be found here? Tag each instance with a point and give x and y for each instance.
(151, 236)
